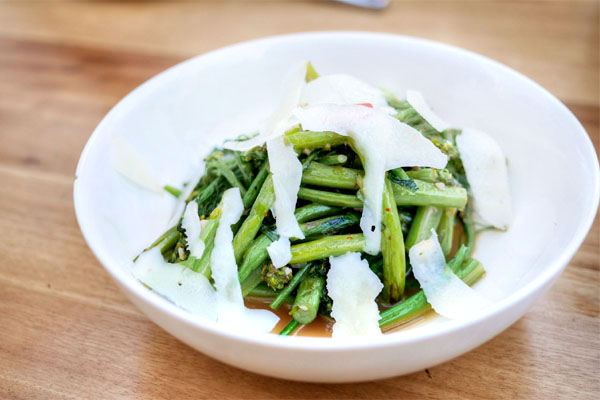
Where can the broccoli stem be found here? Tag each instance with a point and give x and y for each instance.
(329, 198)
(426, 218)
(425, 174)
(287, 291)
(257, 252)
(251, 283)
(207, 235)
(417, 304)
(309, 140)
(333, 159)
(255, 186)
(328, 246)
(392, 247)
(469, 229)
(289, 328)
(445, 230)
(228, 174)
(308, 298)
(244, 168)
(313, 210)
(346, 178)
(247, 232)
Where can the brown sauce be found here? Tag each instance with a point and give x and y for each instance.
(320, 327)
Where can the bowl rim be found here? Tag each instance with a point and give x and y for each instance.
(540, 282)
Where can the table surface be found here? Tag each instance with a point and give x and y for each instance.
(66, 331)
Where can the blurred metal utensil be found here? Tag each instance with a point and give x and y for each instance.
(373, 4)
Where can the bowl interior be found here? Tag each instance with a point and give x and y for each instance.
(177, 117)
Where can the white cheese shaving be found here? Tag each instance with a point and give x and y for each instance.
(383, 142)
(231, 310)
(485, 166)
(417, 101)
(185, 193)
(448, 295)
(280, 251)
(353, 288)
(192, 226)
(286, 170)
(342, 89)
(280, 120)
(132, 166)
(184, 287)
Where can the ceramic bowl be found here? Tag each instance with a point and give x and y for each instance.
(175, 118)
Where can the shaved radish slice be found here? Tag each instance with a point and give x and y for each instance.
(132, 166)
(447, 294)
(353, 288)
(417, 101)
(383, 142)
(485, 166)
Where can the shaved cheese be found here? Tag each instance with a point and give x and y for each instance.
(342, 89)
(353, 288)
(279, 121)
(280, 251)
(231, 310)
(191, 225)
(287, 173)
(448, 295)
(184, 287)
(417, 101)
(132, 166)
(383, 142)
(485, 166)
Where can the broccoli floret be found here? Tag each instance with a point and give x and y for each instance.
(276, 278)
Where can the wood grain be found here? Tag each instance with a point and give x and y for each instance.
(65, 329)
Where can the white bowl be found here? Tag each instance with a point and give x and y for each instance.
(176, 117)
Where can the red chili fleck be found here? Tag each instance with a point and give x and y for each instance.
(365, 104)
(349, 237)
(266, 213)
(387, 209)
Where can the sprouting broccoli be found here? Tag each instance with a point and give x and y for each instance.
(275, 278)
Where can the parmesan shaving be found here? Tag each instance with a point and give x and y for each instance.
(231, 310)
(342, 89)
(184, 287)
(280, 120)
(280, 251)
(417, 101)
(132, 166)
(485, 166)
(191, 225)
(448, 295)
(353, 288)
(287, 173)
(383, 142)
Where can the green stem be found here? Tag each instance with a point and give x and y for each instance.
(328, 246)
(445, 230)
(314, 140)
(426, 218)
(247, 232)
(333, 159)
(229, 175)
(312, 211)
(308, 298)
(287, 291)
(289, 328)
(329, 198)
(255, 186)
(392, 247)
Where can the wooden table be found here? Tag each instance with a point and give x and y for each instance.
(65, 329)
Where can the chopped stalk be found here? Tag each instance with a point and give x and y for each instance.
(392, 247)
(327, 246)
(287, 291)
(334, 159)
(445, 230)
(255, 186)
(290, 328)
(308, 298)
(308, 140)
(426, 218)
